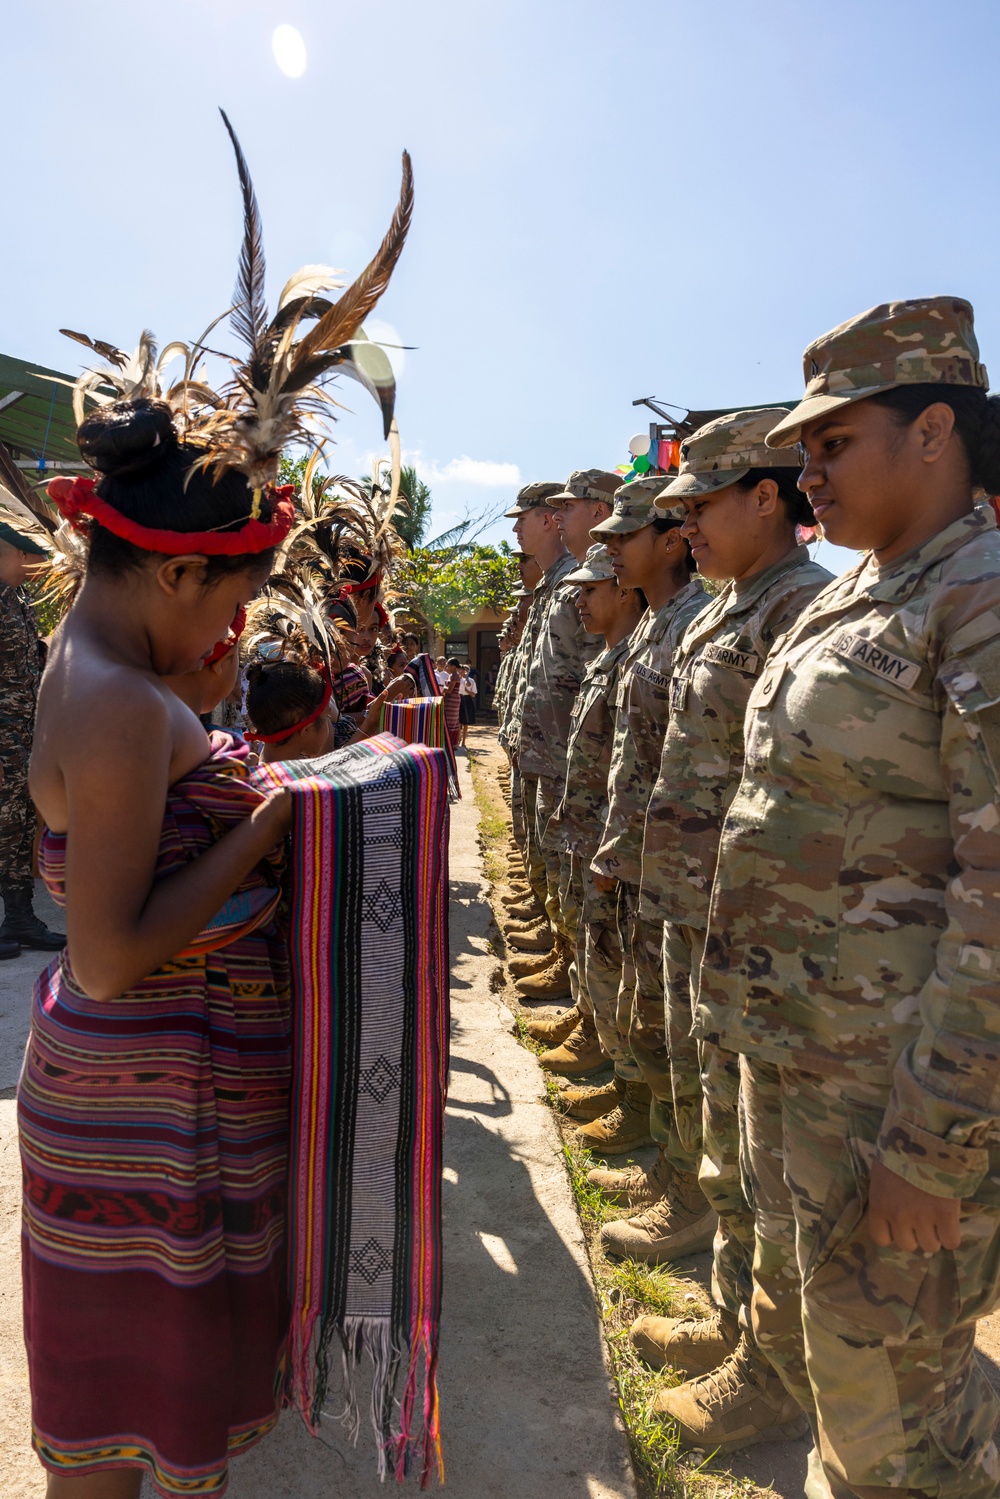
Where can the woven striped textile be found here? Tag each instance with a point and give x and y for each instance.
(369, 953)
(421, 668)
(154, 1141)
(422, 720)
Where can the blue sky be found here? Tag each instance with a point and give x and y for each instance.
(614, 199)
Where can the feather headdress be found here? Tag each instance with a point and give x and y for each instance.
(277, 394)
(344, 529)
(33, 514)
(291, 615)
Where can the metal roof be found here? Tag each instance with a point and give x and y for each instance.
(36, 416)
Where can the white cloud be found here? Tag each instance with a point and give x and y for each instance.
(483, 472)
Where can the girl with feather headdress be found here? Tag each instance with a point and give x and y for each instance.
(153, 1104)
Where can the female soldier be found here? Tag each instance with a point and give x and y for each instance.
(647, 552)
(852, 950)
(743, 510)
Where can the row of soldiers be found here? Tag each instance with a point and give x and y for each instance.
(730, 787)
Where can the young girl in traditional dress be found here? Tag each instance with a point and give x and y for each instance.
(153, 1104)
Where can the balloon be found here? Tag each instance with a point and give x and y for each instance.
(640, 444)
(642, 465)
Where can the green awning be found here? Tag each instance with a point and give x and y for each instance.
(36, 415)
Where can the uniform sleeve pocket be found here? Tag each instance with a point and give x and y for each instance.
(974, 693)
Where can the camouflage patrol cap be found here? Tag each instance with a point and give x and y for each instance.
(633, 508)
(537, 496)
(927, 341)
(595, 568)
(588, 484)
(21, 542)
(724, 451)
(522, 593)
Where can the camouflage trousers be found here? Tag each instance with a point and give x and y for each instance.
(599, 961)
(884, 1338)
(17, 814)
(642, 1001)
(516, 808)
(705, 1082)
(534, 862)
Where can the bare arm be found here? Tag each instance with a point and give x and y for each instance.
(120, 926)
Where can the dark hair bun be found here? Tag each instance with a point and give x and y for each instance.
(127, 436)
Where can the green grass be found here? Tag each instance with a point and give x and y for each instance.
(625, 1289)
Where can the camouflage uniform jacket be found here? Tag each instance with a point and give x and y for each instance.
(501, 685)
(525, 651)
(853, 923)
(643, 706)
(580, 814)
(715, 667)
(20, 663)
(553, 675)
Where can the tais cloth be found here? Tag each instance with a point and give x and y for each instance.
(421, 668)
(154, 1141)
(369, 955)
(423, 720)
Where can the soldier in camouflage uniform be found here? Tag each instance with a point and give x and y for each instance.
(20, 672)
(613, 613)
(648, 551)
(743, 508)
(852, 953)
(552, 679)
(523, 795)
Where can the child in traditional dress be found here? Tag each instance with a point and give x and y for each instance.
(153, 1104)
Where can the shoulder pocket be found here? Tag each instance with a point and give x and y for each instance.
(974, 693)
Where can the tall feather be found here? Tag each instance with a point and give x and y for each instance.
(345, 317)
(249, 315)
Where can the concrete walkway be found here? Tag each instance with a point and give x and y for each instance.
(526, 1405)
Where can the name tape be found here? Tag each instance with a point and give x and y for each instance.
(728, 655)
(877, 660)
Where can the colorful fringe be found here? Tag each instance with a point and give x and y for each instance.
(422, 720)
(369, 955)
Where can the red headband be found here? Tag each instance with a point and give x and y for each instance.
(78, 497)
(370, 582)
(283, 734)
(224, 646)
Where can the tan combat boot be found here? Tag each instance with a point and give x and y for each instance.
(553, 1029)
(529, 962)
(522, 924)
(625, 1127)
(517, 894)
(681, 1223)
(537, 938)
(689, 1345)
(526, 909)
(580, 1053)
(552, 983)
(590, 1103)
(636, 1187)
(740, 1403)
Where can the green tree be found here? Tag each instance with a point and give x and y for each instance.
(413, 511)
(441, 586)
